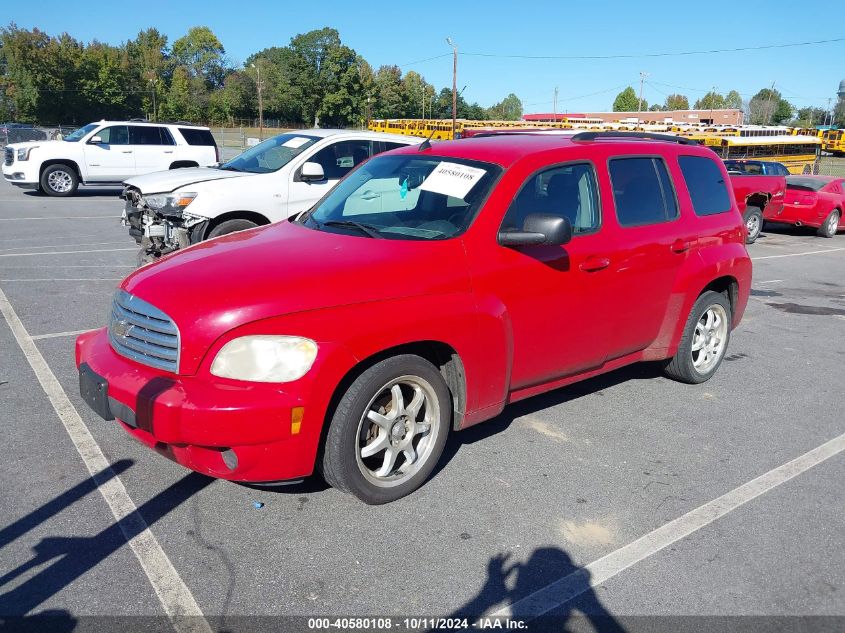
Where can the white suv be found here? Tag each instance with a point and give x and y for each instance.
(277, 179)
(107, 152)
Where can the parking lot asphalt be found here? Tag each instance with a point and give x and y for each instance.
(551, 488)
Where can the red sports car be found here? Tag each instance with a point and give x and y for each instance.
(815, 201)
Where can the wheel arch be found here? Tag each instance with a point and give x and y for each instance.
(59, 161)
(440, 354)
(758, 199)
(252, 216)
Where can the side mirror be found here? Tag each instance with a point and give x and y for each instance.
(312, 172)
(96, 140)
(539, 229)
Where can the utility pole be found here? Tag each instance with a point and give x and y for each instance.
(712, 99)
(454, 84)
(643, 75)
(257, 67)
(155, 114)
(554, 107)
(770, 113)
(828, 112)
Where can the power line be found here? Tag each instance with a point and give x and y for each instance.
(669, 54)
(427, 59)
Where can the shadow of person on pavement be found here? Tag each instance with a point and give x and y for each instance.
(547, 591)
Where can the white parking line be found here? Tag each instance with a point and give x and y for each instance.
(562, 591)
(23, 248)
(827, 250)
(65, 217)
(99, 250)
(771, 281)
(38, 337)
(178, 601)
(72, 266)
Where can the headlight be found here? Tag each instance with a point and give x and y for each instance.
(23, 152)
(264, 358)
(169, 202)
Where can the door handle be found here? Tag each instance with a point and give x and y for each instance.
(168, 151)
(126, 151)
(594, 263)
(681, 246)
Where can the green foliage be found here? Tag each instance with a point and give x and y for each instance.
(627, 101)
(768, 107)
(809, 117)
(711, 101)
(839, 113)
(315, 79)
(676, 102)
(733, 100)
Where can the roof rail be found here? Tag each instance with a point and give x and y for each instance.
(592, 136)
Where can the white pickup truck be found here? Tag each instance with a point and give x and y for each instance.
(107, 152)
(272, 181)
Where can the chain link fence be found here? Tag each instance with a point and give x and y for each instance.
(831, 166)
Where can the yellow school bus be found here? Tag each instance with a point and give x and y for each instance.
(833, 141)
(799, 154)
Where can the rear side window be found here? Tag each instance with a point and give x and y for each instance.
(642, 191)
(197, 137)
(706, 185)
(149, 135)
(568, 191)
(386, 146)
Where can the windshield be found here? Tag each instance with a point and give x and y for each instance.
(406, 196)
(77, 134)
(271, 155)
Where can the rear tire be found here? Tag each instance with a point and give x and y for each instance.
(705, 340)
(231, 226)
(830, 225)
(753, 223)
(59, 180)
(388, 430)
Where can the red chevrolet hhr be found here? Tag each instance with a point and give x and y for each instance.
(432, 287)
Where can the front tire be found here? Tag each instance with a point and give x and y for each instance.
(830, 225)
(231, 226)
(753, 223)
(704, 341)
(59, 180)
(388, 430)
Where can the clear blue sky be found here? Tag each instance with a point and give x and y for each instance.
(398, 33)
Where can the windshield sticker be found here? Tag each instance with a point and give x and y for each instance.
(452, 179)
(403, 191)
(296, 141)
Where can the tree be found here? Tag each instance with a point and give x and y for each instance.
(656, 107)
(711, 101)
(202, 55)
(809, 116)
(768, 107)
(839, 113)
(627, 101)
(309, 85)
(733, 100)
(676, 102)
(508, 109)
(389, 102)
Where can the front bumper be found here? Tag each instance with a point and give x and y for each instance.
(222, 428)
(21, 174)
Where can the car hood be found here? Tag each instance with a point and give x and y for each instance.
(172, 179)
(216, 286)
(24, 144)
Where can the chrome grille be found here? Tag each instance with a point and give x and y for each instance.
(142, 332)
(9, 156)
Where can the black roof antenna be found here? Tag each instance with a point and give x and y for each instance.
(426, 144)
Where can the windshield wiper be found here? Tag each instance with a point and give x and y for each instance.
(228, 168)
(371, 231)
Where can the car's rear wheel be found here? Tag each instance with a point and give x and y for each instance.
(753, 223)
(231, 226)
(704, 341)
(830, 225)
(59, 180)
(388, 430)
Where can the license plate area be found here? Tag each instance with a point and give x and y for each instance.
(94, 389)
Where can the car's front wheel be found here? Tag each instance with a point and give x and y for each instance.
(59, 180)
(388, 430)
(705, 339)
